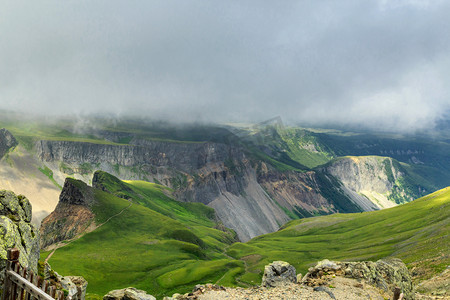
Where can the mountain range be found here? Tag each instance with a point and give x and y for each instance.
(204, 194)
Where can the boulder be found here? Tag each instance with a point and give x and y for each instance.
(17, 231)
(128, 294)
(81, 285)
(278, 273)
(385, 274)
(69, 286)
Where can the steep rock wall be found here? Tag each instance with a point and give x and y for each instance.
(366, 178)
(249, 196)
(215, 174)
(71, 216)
(7, 141)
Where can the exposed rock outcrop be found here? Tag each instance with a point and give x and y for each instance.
(368, 180)
(71, 216)
(128, 294)
(75, 285)
(278, 273)
(385, 274)
(215, 174)
(248, 195)
(7, 141)
(17, 231)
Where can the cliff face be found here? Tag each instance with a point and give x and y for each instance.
(7, 141)
(368, 178)
(185, 157)
(215, 174)
(17, 231)
(249, 196)
(299, 192)
(71, 216)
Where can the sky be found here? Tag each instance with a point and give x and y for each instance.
(382, 65)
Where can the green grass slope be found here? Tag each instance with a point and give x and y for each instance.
(156, 244)
(287, 148)
(416, 232)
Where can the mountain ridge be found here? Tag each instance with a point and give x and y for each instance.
(257, 179)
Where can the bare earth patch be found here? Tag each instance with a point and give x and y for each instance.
(339, 288)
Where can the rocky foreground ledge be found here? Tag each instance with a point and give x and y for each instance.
(384, 279)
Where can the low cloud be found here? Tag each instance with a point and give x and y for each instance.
(377, 64)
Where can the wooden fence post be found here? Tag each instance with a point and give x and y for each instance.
(12, 259)
(22, 284)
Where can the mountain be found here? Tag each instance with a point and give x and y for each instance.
(140, 237)
(256, 177)
(137, 235)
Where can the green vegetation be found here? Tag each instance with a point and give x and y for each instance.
(330, 189)
(287, 148)
(49, 173)
(163, 246)
(416, 232)
(156, 244)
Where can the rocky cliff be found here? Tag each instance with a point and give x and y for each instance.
(7, 141)
(249, 195)
(71, 216)
(17, 231)
(215, 174)
(370, 181)
(304, 194)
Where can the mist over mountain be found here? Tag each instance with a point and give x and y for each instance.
(379, 65)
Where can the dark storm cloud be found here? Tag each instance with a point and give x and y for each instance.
(381, 64)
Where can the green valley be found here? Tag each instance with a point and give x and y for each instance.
(149, 241)
(417, 232)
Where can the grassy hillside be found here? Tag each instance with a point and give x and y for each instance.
(156, 244)
(287, 148)
(416, 232)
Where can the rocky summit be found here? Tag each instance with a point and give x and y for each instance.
(71, 216)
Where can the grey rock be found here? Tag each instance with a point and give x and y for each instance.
(71, 216)
(75, 285)
(385, 274)
(324, 289)
(17, 231)
(68, 285)
(129, 293)
(369, 173)
(81, 285)
(76, 192)
(215, 174)
(278, 273)
(327, 264)
(7, 142)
